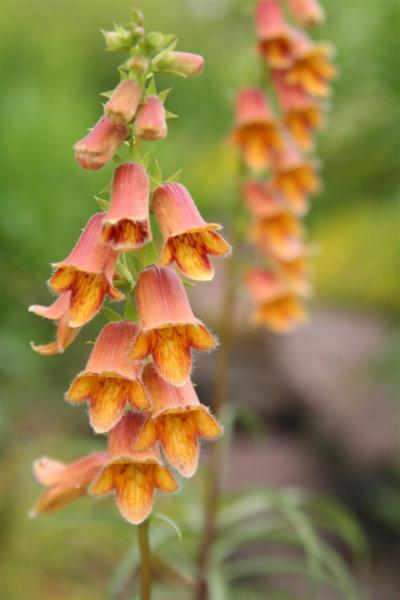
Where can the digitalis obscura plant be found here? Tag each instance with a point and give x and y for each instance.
(137, 378)
(276, 147)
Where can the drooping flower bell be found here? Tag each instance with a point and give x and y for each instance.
(188, 239)
(301, 113)
(280, 236)
(183, 63)
(296, 273)
(124, 102)
(295, 177)
(65, 483)
(59, 312)
(87, 273)
(273, 34)
(168, 327)
(256, 133)
(261, 200)
(150, 123)
(133, 475)
(312, 67)
(276, 305)
(307, 12)
(110, 382)
(98, 147)
(177, 421)
(126, 225)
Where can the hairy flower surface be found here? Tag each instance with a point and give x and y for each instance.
(280, 236)
(295, 178)
(110, 381)
(307, 12)
(301, 113)
(98, 147)
(178, 421)
(87, 274)
(188, 239)
(150, 123)
(312, 67)
(276, 305)
(58, 311)
(133, 475)
(126, 225)
(257, 133)
(65, 483)
(168, 327)
(124, 102)
(273, 34)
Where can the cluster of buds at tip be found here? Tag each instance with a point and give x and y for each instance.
(282, 176)
(136, 382)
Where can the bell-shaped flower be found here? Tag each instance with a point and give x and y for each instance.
(124, 102)
(312, 67)
(297, 273)
(98, 147)
(188, 239)
(307, 12)
(256, 133)
(302, 114)
(126, 225)
(295, 178)
(183, 63)
(133, 475)
(168, 327)
(276, 305)
(280, 236)
(151, 123)
(87, 273)
(58, 311)
(273, 34)
(110, 382)
(261, 200)
(178, 421)
(65, 483)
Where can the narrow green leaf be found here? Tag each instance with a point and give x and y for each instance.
(171, 115)
(170, 522)
(111, 314)
(104, 204)
(175, 177)
(164, 94)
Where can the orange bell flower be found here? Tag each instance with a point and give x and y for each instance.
(178, 421)
(65, 483)
(302, 114)
(168, 327)
(280, 236)
(295, 178)
(273, 34)
(188, 239)
(276, 305)
(312, 67)
(257, 133)
(110, 381)
(58, 311)
(133, 475)
(307, 12)
(87, 273)
(261, 200)
(126, 224)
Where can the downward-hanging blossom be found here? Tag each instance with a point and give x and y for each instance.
(281, 178)
(142, 407)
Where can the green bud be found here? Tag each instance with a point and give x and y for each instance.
(118, 40)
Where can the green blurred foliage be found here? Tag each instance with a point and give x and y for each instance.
(53, 68)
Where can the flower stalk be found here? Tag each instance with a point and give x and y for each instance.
(145, 560)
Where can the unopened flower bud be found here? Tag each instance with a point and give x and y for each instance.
(123, 104)
(157, 40)
(97, 148)
(120, 39)
(138, 64)
(150, 123)
(183, 63)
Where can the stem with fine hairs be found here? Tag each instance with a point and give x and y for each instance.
(145, 560)
(216, 461)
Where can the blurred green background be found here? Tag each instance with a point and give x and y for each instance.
(53, 67)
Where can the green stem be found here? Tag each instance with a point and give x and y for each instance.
(145, 559)
(219, 400)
